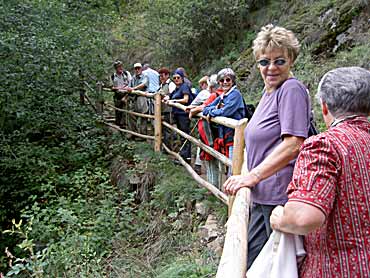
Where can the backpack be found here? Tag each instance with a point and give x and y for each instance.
(249, 110)
(125, 73)
(312, 130)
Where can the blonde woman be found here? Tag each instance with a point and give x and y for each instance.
(275, 133)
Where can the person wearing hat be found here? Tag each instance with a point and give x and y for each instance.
(184, 96)
(186, 79)
(139, 82)
(120, 80)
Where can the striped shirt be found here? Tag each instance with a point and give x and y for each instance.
(332, 173)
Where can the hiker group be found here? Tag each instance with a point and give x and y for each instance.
(217, 96)
(316, 186)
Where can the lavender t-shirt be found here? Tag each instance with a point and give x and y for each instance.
(285, 111)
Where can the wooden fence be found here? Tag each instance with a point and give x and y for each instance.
(233, 262)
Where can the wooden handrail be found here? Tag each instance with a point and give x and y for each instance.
(134, 92)
(204, 147)
(218, 120)
(233, 261)
(88, 86)
(89, 101)
(219, 194)
(130, 132)
(238, 152)
(131, 112)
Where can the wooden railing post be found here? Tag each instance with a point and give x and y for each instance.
(99, 101)
(157, 122)
(233, 263)
(238, 154)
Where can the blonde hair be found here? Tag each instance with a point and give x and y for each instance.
(274, 37)
(204, 79)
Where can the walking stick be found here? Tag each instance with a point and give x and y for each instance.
(191, 132)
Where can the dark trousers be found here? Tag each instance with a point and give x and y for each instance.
(168, 134)
(259, 230)
(119, 103)
(183, 123)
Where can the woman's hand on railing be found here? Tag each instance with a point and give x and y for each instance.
(189, 109)
(234, 183)
(166, 99)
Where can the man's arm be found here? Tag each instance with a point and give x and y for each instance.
(139, 87)
(297, 218)
(142, 86)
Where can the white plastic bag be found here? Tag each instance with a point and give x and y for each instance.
(279, 257)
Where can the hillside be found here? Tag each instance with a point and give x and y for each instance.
(332, 33)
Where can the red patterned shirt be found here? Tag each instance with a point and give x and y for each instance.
(332, 173)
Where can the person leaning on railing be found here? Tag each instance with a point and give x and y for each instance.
(199, 100)
(166, 87)
(139, 82)
(183, 95)
(208, 132)
(330, 190)
(119, 81)
(230, 104)
(274, 134)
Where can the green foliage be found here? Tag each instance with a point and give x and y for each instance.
(181, 32)
(29, 266)
(81, 222)
(186, 268)
(172, 193)
(75, 229)
(44, 133)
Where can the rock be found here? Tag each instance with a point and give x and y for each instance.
(201, 209)
(212, 226)
(217, 245)
(211, 231)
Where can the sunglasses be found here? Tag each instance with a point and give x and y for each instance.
(227, 79)
(267, 62)
(176, 77)
(137, 68)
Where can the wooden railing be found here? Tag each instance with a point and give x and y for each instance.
(234, 257)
